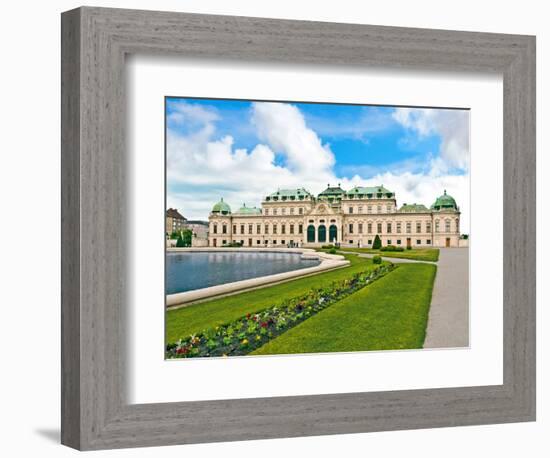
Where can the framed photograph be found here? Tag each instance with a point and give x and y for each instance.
(278, 228)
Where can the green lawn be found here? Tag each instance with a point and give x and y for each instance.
(420, 254)
(194, 318)
(390, 314)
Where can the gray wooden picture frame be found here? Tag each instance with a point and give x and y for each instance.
(95, 41)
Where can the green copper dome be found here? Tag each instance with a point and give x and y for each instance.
(444, 202)
(221, 207)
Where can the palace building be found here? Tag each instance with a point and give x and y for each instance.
(295, 217)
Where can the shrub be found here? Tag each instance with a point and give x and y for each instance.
(399, 248)
(377, 260)
(180, 243)
(409, 247)
(332, 250)
(389, 248)
(377, 244)
(327, 247)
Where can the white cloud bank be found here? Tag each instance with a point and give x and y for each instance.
(205, 167)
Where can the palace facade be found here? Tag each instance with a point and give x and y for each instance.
(294, 217)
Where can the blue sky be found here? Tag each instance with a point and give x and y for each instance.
(243, 150)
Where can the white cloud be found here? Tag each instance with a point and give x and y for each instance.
(452, 126)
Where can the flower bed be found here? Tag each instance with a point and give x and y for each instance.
(244, 335)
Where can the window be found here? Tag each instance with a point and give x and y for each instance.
(379, 209)
(388, 228)
(418, 227)
(224, 242)
(300, 211)
(428, 242)
(369, 242)
(275, 212)
(350, 242)
(398, 228)
(283, 211)
(408, 227)
(258, 228)
(258, 242)
(428, 226)
(350, 228)
(215, 229)
(242, 228)
(291, 229)
(360, 228)
(266, 229)
(351, 209)
(436, 225)
(274, 228)
(388, 208)
(457, 225)
(388, 242)
(369, 228)
(360, 209)
(418, 242)
(282, 242)
(300, 228)
(447, 225)
(266, 211)
(292, 211)
(379, 228)
(369, 208)
(224, 229)
(250, 228)
(399, 241)
(234, 228)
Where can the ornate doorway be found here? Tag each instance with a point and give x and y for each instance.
(310, 234)
(332, 233)
(322, 234)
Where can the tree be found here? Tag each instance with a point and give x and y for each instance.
(377, 243)
(187, 236)
(180, 243)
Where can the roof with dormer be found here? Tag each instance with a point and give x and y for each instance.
(289, 194)
(370, 192)
(221, 207)
(248, 211)
(444, 202)
(413, 208)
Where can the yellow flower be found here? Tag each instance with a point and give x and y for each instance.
(245, 342)
(258, 337)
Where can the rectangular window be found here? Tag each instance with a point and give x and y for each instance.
(250, 228)
(266, 229)
(436, 225)
(457, 224)
(388, 242)
(408, 227)
(398, 228)
(447, 225)
(283, 228)
(283, 211)
(282, 242)
(388, 228)
(274, 228)
(351, 242)
(266, 211)
(215, 229)
(379, 209)
(369, 228)
(418, 227)
(292, 228)
(351, 228)
(224, 229)
(379, 228)
(242, 228)
(275, 212)
(369, 242)
(258, 228)
(428, 226)
(300, 228)
(234, 228)
(418, 242)
(360, 228)
(360, 210)
(369, 209)
(258, 242)
(224, 242)
(428, 242)
(388, 208)
(292, 211)
(300, 211)
(399, 241)
(351, 209)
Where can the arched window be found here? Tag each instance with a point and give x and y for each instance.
(311, 233)
(332, 233)
(322, 234)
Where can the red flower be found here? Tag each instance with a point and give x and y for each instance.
(248, 316)
(264, 324)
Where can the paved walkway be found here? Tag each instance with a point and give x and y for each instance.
(448, 321)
